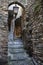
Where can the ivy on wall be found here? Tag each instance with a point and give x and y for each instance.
(24, 1)
(37, 7)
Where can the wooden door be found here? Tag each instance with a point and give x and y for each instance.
(18, 29)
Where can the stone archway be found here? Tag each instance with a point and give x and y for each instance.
(21, 18)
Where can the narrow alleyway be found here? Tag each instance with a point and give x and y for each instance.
(17, 54)
(21, 32)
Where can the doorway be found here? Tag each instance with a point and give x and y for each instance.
(18, 28)
(15, 22)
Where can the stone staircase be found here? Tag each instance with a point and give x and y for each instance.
(16, 53)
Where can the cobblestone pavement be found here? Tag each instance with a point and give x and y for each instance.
(16, 53)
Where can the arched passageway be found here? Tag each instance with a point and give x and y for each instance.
(16, 53)
(15, 23)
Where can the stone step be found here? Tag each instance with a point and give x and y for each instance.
(15, 45)
(21, 62)
(15, 42)
(20, 47)
(9, 54)
(13, 58)
(16, 50)
(17, 59)
(18, 54)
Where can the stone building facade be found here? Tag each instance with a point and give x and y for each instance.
(37, 32)
(4, 27)
(33, 26)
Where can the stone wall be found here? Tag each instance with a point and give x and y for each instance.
(33, 32)
(35, 24)
(3, 33)
(4, 27)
